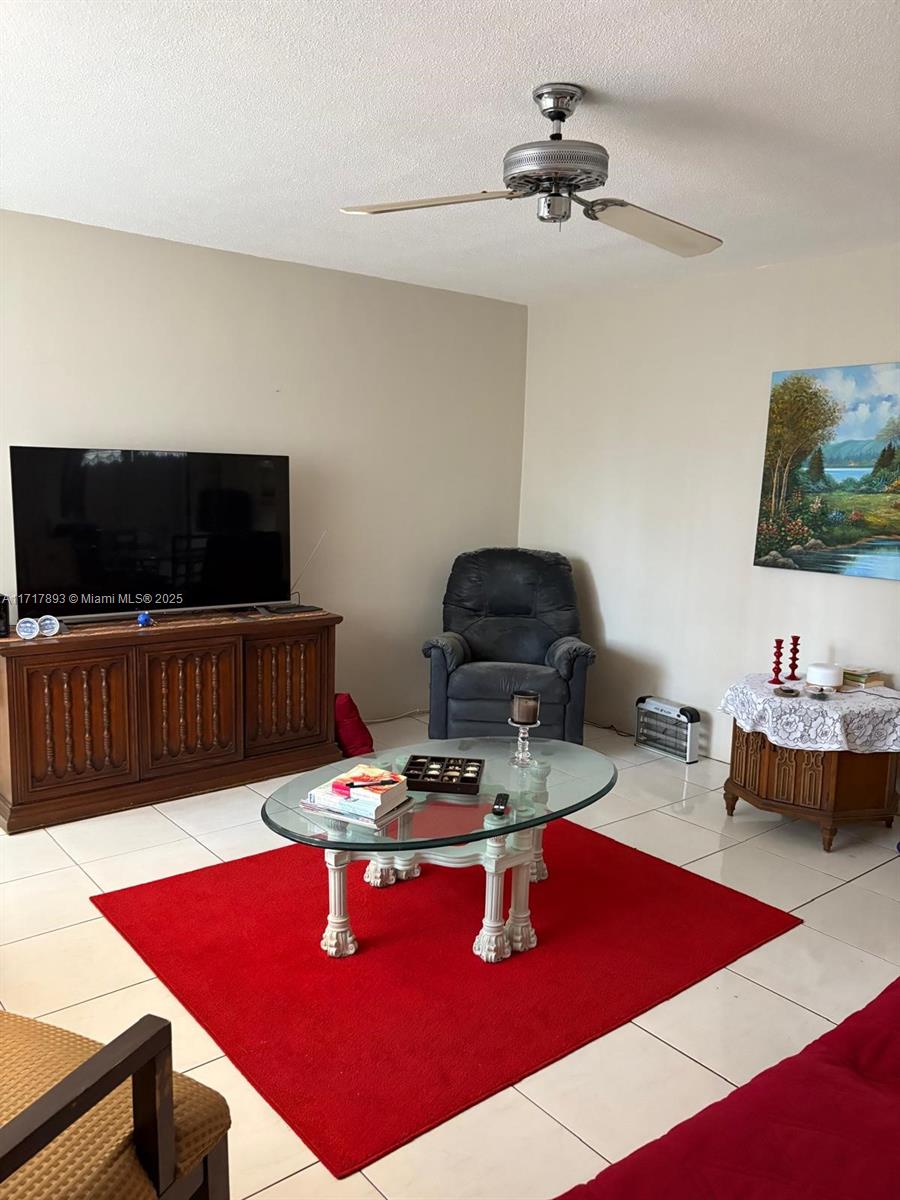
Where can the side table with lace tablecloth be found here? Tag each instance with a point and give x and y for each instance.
(829, 761)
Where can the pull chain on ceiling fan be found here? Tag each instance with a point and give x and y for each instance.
(556, 171)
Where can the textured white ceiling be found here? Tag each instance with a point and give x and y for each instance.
(245, 124)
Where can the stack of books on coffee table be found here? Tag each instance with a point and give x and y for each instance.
(364, 795)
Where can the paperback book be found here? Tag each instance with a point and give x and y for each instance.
(352, 818)
(365, 792)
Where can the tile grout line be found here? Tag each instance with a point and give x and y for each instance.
(82, 867)
(853, 946)
(870, 870)
(561, 1124)
(207, 1061)
(44, 874)
(62, 850)
(236, 825)
(38, 874)
(789, 999)
(793, 861)
(55, 929)
(294, 1174)
(838, 883)
(213, 853)
(371, 1184)
(186, 838)
(274, 1183)
(96, 884)
(683, 1053)
(47, 830)
(619, 821)
(136, 850)
(697, 825)
(52, 1012)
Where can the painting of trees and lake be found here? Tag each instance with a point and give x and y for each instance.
(830, 496)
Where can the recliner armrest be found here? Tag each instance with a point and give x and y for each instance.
(453, 646)
(562, 654)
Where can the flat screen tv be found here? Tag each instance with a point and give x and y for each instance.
(104, 531)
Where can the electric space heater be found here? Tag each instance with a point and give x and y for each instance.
(668, 728)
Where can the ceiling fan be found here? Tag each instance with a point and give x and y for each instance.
(556, 171)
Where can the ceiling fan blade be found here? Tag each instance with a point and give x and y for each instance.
(432, 202)
(651, 227)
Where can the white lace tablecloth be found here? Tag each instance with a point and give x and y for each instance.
(865, 722)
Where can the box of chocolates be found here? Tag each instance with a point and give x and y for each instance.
(432, 773)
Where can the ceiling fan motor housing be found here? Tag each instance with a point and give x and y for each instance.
(547, 166)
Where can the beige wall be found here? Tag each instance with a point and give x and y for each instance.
(644, 429)
(645, 425)
(110, 339)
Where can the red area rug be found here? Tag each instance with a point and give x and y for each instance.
(360, 1055)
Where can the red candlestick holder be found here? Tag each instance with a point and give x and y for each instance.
(776, 665)
(792, 663)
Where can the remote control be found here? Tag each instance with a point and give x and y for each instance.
(501, 804)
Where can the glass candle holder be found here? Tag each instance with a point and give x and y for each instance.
(524, 709)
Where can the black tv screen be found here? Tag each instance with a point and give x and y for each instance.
(101, 531)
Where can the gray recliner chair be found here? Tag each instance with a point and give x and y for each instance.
(510, 625)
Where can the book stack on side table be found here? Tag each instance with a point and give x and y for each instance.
(859, 678)
(364, 795)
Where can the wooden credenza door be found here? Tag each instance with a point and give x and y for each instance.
(78, 732)
(189, 706)
(286, 691)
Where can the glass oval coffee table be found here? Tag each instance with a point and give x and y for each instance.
(451, 830)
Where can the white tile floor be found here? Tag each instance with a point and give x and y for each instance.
(61, 961)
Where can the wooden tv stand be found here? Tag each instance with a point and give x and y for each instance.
(111, 716)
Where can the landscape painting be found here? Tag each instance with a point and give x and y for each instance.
(831, 475)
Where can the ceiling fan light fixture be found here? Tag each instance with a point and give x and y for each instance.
(554, 207)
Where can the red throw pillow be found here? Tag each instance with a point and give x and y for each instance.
(350, 729)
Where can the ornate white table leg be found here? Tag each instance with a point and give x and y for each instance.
(410, 868)
(379, 874)
(540, 775)
(538, 866)
(519, 929)
(337, 940)
(492, 945)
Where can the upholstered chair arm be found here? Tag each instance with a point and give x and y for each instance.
(142, 1053)
(563, 654)
(446, 652)
(454, 648)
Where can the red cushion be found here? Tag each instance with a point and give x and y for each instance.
(351, 731)
(822, 1125)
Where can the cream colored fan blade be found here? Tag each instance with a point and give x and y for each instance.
(651, 227)
(433, 202)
